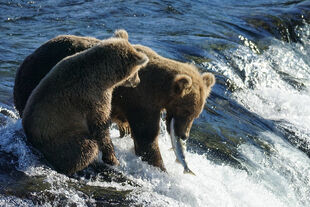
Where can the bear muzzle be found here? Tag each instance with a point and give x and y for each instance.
(132, 81)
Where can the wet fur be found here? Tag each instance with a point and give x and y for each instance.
(165, 84)
(67, 116)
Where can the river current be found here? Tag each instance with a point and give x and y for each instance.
(249, 147)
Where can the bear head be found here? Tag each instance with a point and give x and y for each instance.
(189, 92)
(185, 89)
(134, 79)
(122, 58)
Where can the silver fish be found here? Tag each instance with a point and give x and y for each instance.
(178, 147)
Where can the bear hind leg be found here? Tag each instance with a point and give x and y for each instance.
(73, 154)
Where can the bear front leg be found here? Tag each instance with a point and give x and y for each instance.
(99, 130)
(123, 127)
(107, 150)
(145, 129)
(119, 118)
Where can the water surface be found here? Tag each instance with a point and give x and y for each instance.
(249, 147)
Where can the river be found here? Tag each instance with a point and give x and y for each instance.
(249, 147)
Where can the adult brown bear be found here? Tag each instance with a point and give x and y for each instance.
(67, 115)
(165, 84)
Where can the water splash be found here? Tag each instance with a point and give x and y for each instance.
(274, 84)
(270, 183)
(280, 179)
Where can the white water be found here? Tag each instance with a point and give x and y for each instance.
(264, 91)
(213, 185)
(281, 178)
(278, 180)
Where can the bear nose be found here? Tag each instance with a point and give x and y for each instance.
(135, 81)
(135, 84)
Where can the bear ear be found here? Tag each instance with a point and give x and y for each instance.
(121, 33)
(208, 79)
(182, 85)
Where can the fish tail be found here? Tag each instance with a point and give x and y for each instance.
(188, 171)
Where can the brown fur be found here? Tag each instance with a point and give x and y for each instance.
(165, 84)
(43, 59)
(39, 63)
(67, 115)
(120, 33)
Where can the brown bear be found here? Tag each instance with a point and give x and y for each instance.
(67, 115)
(39, 63)
(165, 84)
(43, 59)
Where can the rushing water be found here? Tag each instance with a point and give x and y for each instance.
(249, 147)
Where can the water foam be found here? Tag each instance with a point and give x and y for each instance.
(282, 92)
(11, 201)
(278, 180)
(213, 185)
(285, 172)
(13, 141)
(274, 84)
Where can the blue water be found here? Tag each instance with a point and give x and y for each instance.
(249, 147)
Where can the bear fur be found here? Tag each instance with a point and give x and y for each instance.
(67, 116)
(165, 84)
(178, 88)
(43, 59)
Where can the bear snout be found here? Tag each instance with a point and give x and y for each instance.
(134, 80)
